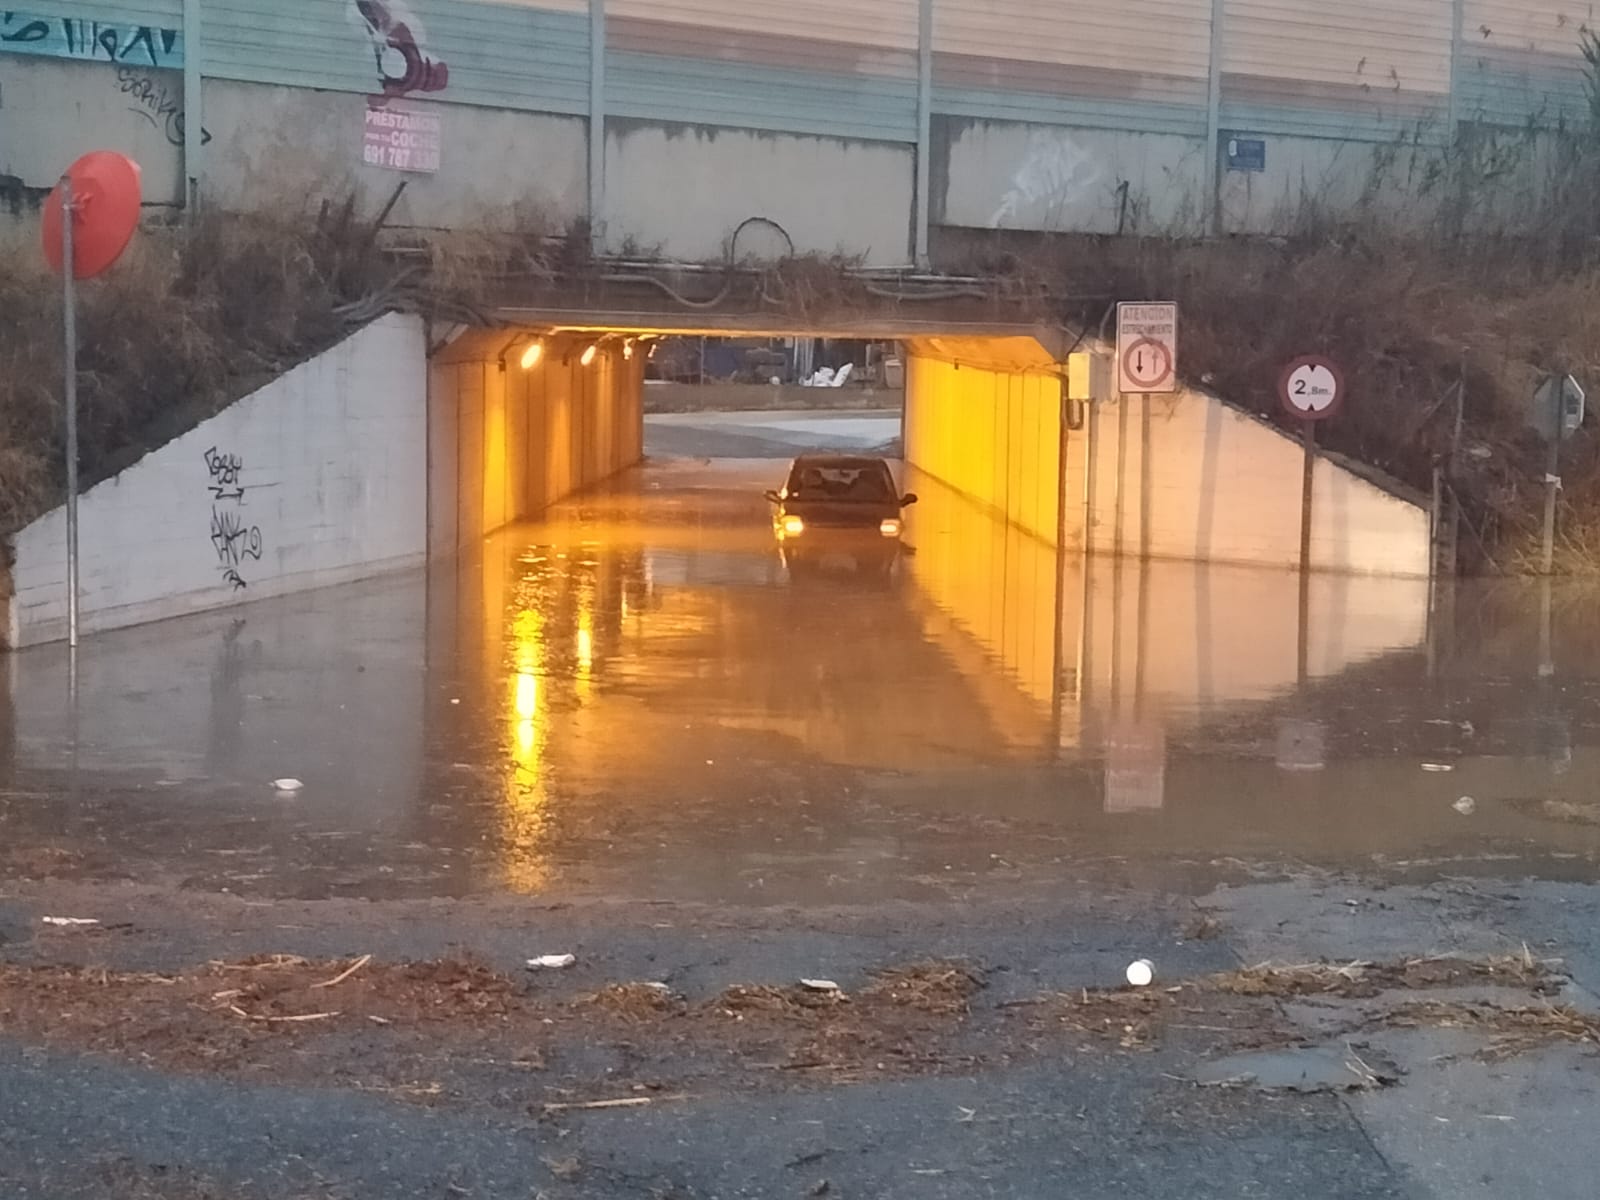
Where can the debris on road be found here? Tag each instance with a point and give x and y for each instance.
(345, 974)
(552, 962)
(287, 786)
(1141, 973)
(819, 985)
(70, 922)
(1437, 767)
(1466, 806)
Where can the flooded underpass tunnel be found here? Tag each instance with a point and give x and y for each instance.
(615, 679)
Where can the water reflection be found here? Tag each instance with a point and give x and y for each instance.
(647, 694)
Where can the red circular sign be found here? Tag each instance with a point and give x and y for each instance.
(1147, 353)
(105, 205)
(1311, 388)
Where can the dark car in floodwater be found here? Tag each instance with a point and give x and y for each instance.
(839, 514)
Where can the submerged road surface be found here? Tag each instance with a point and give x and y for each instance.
(707, 764)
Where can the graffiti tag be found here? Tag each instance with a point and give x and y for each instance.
(156, 103)
(398, 41)
(233, 540)
(225, 470)
(69, 37)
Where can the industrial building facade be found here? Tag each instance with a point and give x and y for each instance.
(868, 128)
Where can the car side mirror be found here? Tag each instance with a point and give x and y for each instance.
(773, 496)
(908, 500)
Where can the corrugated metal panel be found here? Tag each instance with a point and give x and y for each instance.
(664, 88)
(1378, 45)
(1521, 62)
(168, 13)
(1053, 109)
(500, 55)
(1367, 70)
(1162, 40)
(145, 33)
(1140, 64)
(888, 24)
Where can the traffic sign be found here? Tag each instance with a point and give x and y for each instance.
(1147, 347)
(1558, 408)
(1312, 388)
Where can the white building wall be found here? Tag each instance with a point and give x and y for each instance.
(318, 478)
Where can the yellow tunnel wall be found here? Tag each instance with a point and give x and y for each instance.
(991, 435)
(505, 444)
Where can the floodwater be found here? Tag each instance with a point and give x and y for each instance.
(646, 695)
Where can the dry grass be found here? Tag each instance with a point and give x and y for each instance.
(1364, 979)
(196, 316)
(934, 986)
(1407, 317)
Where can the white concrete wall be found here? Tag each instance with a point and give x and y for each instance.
(279, 144)
(683, 190)
(1008, 175)
(1224, 486)
(51, 112)
(318, 478)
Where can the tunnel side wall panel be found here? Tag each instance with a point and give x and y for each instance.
(317, 478)
(507, 444)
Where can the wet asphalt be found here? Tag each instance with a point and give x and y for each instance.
(643, 731)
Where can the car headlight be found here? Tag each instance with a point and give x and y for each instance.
(890, 527)
(793, 526)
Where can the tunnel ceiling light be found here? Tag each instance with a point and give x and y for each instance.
(589, 355)
(532, 355)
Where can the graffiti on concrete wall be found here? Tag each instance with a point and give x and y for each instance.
(91, 41)
(399, 50)
(233, 539)
(1055, 176)
(156, 100)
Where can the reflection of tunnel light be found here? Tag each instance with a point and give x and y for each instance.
(585, 649)
(793, 525)
(890, 528)
(532, 355)
(527, 698)
(589, 355)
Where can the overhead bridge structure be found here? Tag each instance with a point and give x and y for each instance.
(1011, 415)
(410, 442)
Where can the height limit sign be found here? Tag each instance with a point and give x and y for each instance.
(1147, 347)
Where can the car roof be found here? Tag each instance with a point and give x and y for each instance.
(838, 460)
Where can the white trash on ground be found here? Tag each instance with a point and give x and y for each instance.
(70, 922)
(552, 962)
(287, 787)
(1466, 806)
(819, 985)
(1141, 972)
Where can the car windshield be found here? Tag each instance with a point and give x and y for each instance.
(865, 482)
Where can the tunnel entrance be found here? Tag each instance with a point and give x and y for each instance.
(1075, 571)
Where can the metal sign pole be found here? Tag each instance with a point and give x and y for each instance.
(70, 320)
(1552, 484)
(1308, 434)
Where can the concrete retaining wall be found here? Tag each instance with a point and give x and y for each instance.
(318, 478)
(1183, 477)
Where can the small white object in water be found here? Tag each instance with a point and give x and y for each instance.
(819, 985)
(1466, 806)
(1141, 973)
(70, 922)
(552, 962)
(287, 787)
